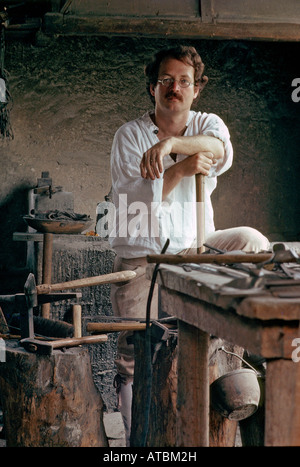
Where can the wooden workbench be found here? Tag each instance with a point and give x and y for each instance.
(254, 319)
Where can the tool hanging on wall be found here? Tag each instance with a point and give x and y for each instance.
(5, 97)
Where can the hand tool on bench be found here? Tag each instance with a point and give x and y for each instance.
(124, 326)
(200, 211)
(31, 300)
(36, 294)
(46, 347)
(227, 258)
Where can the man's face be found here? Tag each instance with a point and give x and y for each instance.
(174, 98)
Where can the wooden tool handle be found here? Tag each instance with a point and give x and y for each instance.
(76, 311)
(115, 327)
(210, 258)
(75, 341)
(47, 268)
(113, 277)
(200, 197)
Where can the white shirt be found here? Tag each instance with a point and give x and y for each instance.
(143, 222)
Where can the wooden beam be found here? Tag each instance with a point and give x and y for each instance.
(56, 23)
(193, 387)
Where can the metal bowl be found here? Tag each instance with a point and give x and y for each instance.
(58, 226)
(236, 394)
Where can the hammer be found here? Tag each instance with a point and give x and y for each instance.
(200, 213)
(33, 294)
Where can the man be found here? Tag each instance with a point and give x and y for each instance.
(153, 162)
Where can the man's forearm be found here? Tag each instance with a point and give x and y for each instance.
(152, 160)
(189, 145)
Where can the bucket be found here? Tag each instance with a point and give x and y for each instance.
(236, 394)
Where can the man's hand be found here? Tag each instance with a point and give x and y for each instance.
(192, 165)
(152, 161)
(198, 163)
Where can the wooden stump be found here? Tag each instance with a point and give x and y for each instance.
(50, 401)
(163, 408)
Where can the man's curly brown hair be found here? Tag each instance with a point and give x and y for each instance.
(186, 54)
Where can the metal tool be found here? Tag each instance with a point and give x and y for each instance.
(160, 333)
(215, 269)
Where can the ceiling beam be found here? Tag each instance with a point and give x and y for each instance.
(57, 23)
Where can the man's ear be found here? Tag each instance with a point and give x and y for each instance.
(197, 93)
(152, 89)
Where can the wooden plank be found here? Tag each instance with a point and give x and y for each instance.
(193, 387)
(28, 237)
(55, 23)
(267, 308)
(133, 8)
(260, 337)
(255, 10)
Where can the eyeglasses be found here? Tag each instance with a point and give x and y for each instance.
(167, 82)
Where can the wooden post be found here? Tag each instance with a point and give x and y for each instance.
(47, 268)
(282, 405)
(193, 387)
(161, 430)
(77, 320)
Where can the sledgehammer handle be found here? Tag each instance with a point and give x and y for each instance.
(113, 277)
(200, 215)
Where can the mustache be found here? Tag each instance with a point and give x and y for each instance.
(174, 94)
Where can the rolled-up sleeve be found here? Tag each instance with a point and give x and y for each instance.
(213, 125)
(126, 156)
